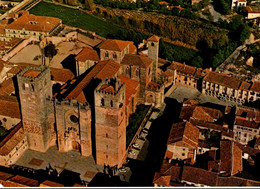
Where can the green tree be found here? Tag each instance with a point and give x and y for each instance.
(197, 61)
(50, 51)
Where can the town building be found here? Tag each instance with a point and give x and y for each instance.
(29, 25)
(182, 142)
(230, 88)
(238, 3)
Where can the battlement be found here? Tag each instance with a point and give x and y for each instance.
(74, 103)
(110, 87)
(33, 73)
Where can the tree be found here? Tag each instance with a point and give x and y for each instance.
(89, 5)
(197, 61)
(50, 51)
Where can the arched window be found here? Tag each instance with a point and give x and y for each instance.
(127, 72)
(114, 55)
(137, 72)
(106, 54)
(152, 44)
(102, 102)
(111, 103)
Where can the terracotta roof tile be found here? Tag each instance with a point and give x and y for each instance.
(13, 110)
(32, 73)
(154, 38)
(34, 23)
(4, 176)
(11, 140)
(167, 170)
(184, 132)
(131, 87)
(7, 87)
(205, 124)
(245, 86)
(255, 87)
(114, 45)
(102, 70)
(249, 150)
(87, 54)
(199, 176)
(137, 60)
(107, 88)
(24, 181)
(49, 183)
(246, 123)
(206, 114)
(222, 79)
(62, 75)
(183, 68)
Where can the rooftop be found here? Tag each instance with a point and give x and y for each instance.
(87, 54)
(31, 22)
(32, 73)
(116, 45)
(137, 60)
(154, 38)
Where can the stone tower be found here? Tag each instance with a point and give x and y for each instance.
(110, 122)
(153, 53)
(35, 90)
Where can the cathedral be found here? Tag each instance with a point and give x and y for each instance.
(90, 113)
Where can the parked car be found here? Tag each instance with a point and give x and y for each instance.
(136, 145)
(122, 170)
(132, 152)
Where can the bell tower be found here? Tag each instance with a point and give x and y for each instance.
(35, 92)
(110, 122)
(153, 53)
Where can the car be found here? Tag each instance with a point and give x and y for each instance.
(132, 152)
(136, 145)
(122, 170)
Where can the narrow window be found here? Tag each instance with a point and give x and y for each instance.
(102, 102)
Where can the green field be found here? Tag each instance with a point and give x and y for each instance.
(75, 18)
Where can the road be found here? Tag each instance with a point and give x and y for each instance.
(235, 54)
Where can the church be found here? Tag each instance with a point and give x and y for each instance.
(90, 113)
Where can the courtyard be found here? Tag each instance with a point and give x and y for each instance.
(70, 161)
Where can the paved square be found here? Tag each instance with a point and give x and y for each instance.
(71, 161)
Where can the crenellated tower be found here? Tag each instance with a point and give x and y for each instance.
(110, 122)
(35, 90)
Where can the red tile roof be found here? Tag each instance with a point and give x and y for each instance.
(49, 183)
(154, 38)
(183, 68)
(223, 79)
(102, 70)
(167, 172)
(255, 87)
(230, 157)
(24, 181)
(4, 176)
(13, 110)
(34, 23)
(107, 88)
(206, 114)
(246, 123)
(115, 45)
(11, 140)
(185, 134)
(131, 87)
(32, 73)
(205, 124)
(248, 112)
(62, 75)
(87, 54)
(199, 176)
(137, 60)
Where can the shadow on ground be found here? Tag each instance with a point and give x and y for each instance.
(143, 171)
